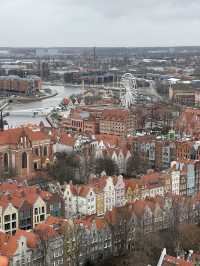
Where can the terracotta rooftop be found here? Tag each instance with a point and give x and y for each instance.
(173, 261)
(115, 114)
(4, 261)
(10, 246)
(12, 136)
(45, 231)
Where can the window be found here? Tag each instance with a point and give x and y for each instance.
(6, 218)
(42, 209)
(37, 151)
(24, 160)
(13, 224)
(7, 226)
(45, 150)
(5, 162)
(42, 217)
(14, 216)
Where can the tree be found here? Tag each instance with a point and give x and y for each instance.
(88, 163)
(189, 237)
(89, 263)
(136, 165)
(106, 164)
(92, 99)
(66, 167)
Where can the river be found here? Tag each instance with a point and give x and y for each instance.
(18, 120)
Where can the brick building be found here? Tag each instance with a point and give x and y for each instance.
(24, 150)
(184, 94)
(189, 122)
(120, 122)
(81, 121)
(16, 85)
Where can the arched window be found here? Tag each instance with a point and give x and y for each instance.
(5, 162)
(45, 150)
(24, 160)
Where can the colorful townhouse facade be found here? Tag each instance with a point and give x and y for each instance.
(24, 207)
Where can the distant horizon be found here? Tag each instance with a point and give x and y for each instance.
(52, 46)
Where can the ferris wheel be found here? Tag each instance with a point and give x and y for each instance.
(129, 91)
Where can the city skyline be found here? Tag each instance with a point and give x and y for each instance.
(99, 23)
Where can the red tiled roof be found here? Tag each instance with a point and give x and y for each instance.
(84, 190)
(109, 139)
(32, 239)
(132, 183)
(10, 246)
(51, 220)
(12, 136)
(100, 223)
(173, 261)
(4, 261)
(17, 195)
(67, 139)
(98, 184)
(115, 114)
(45, 231)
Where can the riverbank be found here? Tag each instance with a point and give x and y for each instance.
(29, 99)
(31, 106)
(33, 99)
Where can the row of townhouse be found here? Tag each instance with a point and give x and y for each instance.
(41, 247)
(120, 156)
(158, 153)
(185, 177)
(25, 207)
(73, 242)
(100, 146)
(105, 193)
(99, 196)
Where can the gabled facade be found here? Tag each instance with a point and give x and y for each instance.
(70, 200)
(24, 150)
(39, 211)
(119, 191)
(9, 219)
(109, 194)
(86, 201)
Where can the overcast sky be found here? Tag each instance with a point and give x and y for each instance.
(99, 22)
